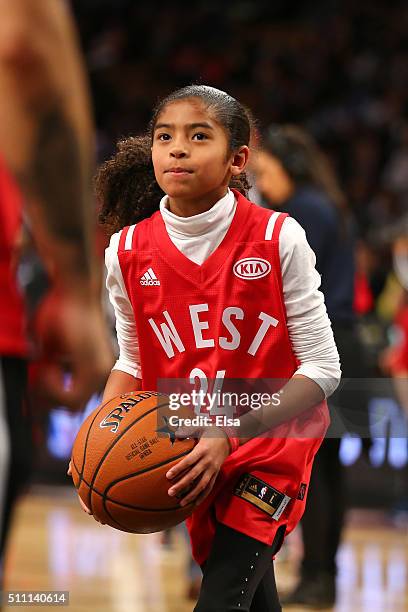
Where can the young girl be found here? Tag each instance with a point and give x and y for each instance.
(208, 286)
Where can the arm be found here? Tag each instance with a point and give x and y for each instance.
(46, 131)
(308, 323)
(126, 374)
(120, 382)
(46, 139)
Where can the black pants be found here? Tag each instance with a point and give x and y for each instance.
(239, 575)
(323, 519)
(322, 522)
(15, 434)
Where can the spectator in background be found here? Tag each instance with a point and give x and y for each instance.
(294, 176)
(394, 360)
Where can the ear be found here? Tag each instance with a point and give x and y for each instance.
(239, 160)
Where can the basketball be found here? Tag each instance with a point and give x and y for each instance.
(120, 458)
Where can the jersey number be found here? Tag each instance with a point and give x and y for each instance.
(211, 398)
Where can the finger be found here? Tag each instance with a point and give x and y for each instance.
(206, 491)
(186, 463)
(186, 483)
(197, 490)
(84, 506)
(69, 471)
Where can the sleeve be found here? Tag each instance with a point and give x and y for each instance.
(308, 323)
(129, 358)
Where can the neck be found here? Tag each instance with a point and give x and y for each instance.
(188, 207)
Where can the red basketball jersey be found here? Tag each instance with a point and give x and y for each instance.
(225, 320)
(12, 321)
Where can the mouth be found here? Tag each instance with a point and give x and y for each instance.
(178, 170)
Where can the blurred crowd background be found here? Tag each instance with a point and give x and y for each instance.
(338, 68)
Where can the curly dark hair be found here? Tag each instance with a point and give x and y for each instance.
(126, 186)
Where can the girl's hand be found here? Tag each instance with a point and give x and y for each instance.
(194, 476)
(83, 506)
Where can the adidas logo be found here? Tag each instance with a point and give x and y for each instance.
(149, 278)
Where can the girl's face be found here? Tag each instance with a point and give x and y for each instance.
(190, 154)
(272, 180)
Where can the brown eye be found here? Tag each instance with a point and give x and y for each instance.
(200, 136)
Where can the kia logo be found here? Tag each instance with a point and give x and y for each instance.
(252, 267)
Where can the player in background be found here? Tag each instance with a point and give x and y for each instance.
(294, 176)
(182, 312)
(46, 143)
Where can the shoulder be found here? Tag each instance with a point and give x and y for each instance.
(111, 253)
(113, 246)
(131, 237)
(311, 205)
(297, 260)
(291, 232)
(292, 238)
(314, 199)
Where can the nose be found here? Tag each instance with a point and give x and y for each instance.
(178, 153)
(178, 150)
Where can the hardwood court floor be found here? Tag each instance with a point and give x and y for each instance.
(55, 546)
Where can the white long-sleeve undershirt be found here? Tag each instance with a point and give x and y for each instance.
(197, 237)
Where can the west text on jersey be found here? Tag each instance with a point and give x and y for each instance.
(170, 338)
